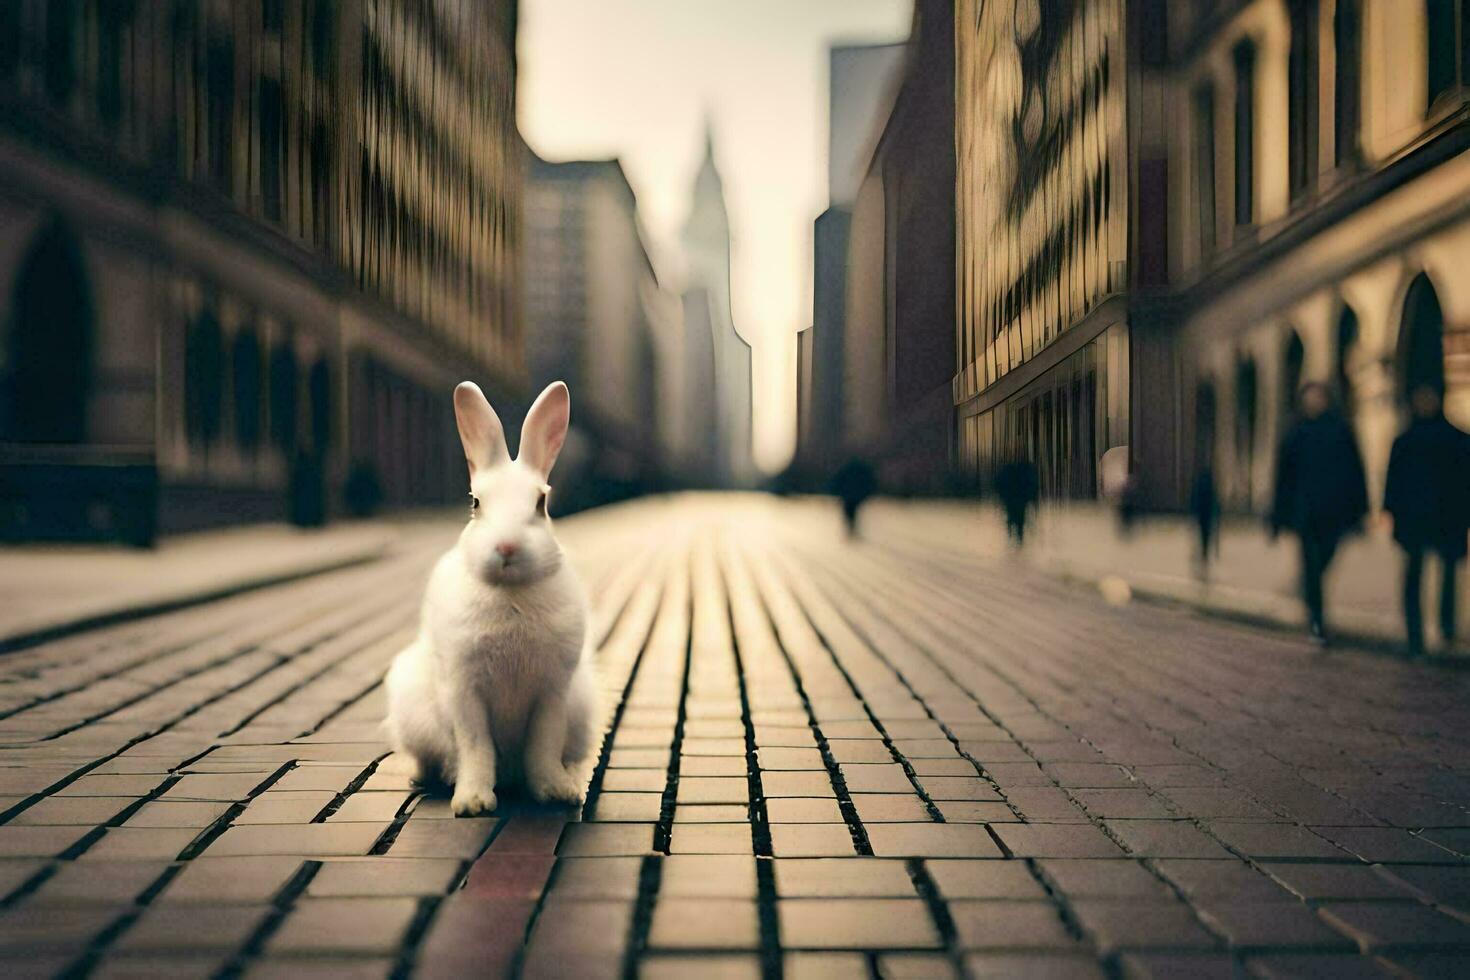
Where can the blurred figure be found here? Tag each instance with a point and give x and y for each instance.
(1016, 486)
(1321, 492)
(1428, 498)
(1204, 505)
(853, 483)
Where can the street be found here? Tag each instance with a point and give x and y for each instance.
(902, 756)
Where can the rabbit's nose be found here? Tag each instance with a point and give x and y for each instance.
(506, 549)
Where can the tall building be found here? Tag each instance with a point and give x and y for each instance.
(898, 332)
(1320, 220)
(248, 250)
(706, 240)
(1042, 206)
(862, 84)
(589, 283)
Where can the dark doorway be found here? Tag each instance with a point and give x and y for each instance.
(46, 378)
(1347, 339)
(1205, 411)
(1245, 423)
(1292, 359)
(1421, 339)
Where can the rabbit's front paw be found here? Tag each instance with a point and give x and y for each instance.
(470, 803)
(557, 787)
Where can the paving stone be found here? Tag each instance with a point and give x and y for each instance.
(16, 871)
(577, 878)
(308, 840)
(462, 838)
(919, 966)
(811, 840)
(1164, 966)
(890, 808)
(1383, 925)
(704, 923)
(28, 930)
(1131, 803)
(710, 838)
(140, 844)
(707, 876)
(1009, 774)
(1131, 924)
(112, 883)
(1445, 885)
(797, 810)
(664, 966)
(813, 784)
(711, 813)
(1269, 924)
(958, 788)
(230, 787)
(1034, 966)
(1212, 802)
(287, 807)
(177, 815)
(231, 880)
(316, 967)
(114, 786)
(783, 757)
(1265, 840)
(856, 923)
(1383, 845)
(1166, 838)
(714, 765)
(162, 965)
(606, 840)
(862, 777)
(712, 789)
(363, 807)
(1008, 925)
(1229, 879)
(1315, 966)
(383, 876)
(644, 759)
(349, 925)
(634, 780)
(984, 879)
(59, 811)
(942, 767)
(190, 927)
(931, 840)
(860, 750)
(1103, 878)
(1056, 840)
(1045, 804)
(823, 966)
(1341, 881)
(38, 841)
(862, 877)
(634, 807)
(961, 811)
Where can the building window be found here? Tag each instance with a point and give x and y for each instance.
(283, 399)
(1447, 23)
(1204, 165)
(1245, 132)
(220, 99)
(203, 378)
(1347, 37)
(1302, 96)
(270, 120)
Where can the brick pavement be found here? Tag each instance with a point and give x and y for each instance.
(824, 760)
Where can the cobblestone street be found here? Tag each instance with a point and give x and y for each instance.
(896, 757)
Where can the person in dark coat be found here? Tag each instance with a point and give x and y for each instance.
(1204, 505)
(853, 483)
(1016, 486)
(1321, 492)
(1428, 498)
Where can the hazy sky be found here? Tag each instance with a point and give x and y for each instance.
(636, 79)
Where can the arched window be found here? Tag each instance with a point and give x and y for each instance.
(246, 368)
(46, 370)
(1421, 339)
(1347, 80)
(1302, 95)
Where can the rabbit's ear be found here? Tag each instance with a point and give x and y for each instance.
(546, 428)
(479, 428)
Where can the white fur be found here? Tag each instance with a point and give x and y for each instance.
(498, 686)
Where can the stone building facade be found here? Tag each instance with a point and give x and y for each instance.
(247, 251)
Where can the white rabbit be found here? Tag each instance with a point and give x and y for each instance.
(498, 686)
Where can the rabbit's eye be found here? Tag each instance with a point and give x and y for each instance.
(474, 502)
(541, 504)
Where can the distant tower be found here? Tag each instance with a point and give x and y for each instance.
(707, 261)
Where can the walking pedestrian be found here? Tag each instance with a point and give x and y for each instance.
(1427, 498)
(853, 483)
(1204, 505)
(1321, 492)
(1016, 486)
